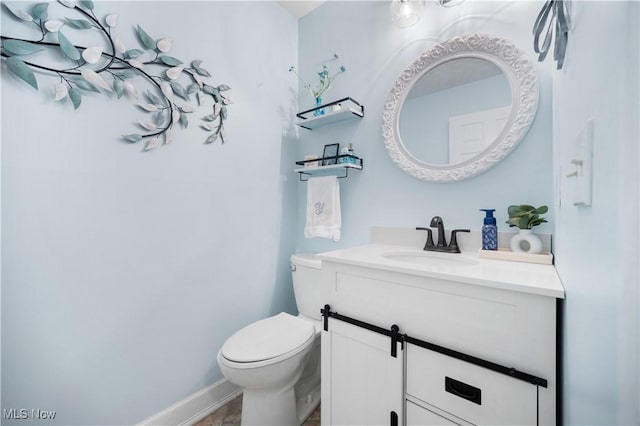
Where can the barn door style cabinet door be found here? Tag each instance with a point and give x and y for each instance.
(361, 381)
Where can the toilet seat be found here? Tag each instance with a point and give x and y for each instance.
(268, 339)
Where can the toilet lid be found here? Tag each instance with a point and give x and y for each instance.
(268, 338)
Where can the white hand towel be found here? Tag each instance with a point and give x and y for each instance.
(323, 208)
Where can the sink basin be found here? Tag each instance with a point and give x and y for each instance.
(428, 258)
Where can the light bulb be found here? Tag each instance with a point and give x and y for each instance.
(406, 13)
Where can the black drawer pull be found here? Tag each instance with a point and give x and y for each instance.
(463, 390)
(393, 418)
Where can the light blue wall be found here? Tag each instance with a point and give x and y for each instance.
(374, 54)
(596, 247)
(123, 272)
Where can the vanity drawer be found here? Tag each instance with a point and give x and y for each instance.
(472, 393)
(420, 416)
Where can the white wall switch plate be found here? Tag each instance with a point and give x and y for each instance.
(582, 164)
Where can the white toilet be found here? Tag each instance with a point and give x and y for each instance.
(277, 360)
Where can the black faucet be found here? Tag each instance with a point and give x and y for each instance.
(441, 245)
(437, 222)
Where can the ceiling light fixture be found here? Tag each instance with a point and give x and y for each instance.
(450, 3)
(406, 13)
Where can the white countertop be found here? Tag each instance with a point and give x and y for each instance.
(515, 276)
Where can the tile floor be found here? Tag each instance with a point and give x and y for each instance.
(229, 415)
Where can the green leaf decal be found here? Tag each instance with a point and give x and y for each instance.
(192, 88)
(210, 90)
(154, 99)
(146, 40)
(159, 118)
(129, 73)
(209, 117)
(87, 4)
(133, 138)
(179, 90)
(78, 24)
(19, 47)
(118, 87)
(223, 87)
(223, 113)
(67, 47)
(184, 120)
(75, 96)
(133, 53)
(85, 85)
(40, 11)
(18, 13)
(203, 72)
(212, 138)
(170, 60)
(22, 70)
(196, 63)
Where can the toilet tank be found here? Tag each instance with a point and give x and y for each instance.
(310, 296)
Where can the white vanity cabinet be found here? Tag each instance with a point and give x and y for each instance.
(476, 345)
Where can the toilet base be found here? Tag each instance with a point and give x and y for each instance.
(269, 408)
(306, 405)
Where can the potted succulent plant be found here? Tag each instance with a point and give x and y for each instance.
(525, 217)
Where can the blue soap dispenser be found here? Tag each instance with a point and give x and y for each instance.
(489, 231)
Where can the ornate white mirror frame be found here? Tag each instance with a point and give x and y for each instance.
(523, 81)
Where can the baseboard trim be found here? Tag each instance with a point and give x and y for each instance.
(195, 407)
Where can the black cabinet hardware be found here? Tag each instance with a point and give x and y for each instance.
(396, 336)
(463, 390)
(393, 421)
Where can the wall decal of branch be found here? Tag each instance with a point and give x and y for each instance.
(112, 69)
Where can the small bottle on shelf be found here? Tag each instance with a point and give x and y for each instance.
(344, 151)
(351, 160)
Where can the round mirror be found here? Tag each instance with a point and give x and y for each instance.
(460, 108)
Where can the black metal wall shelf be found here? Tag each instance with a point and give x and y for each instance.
(338, 163)
(340, 110)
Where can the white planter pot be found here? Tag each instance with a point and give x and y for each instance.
(526, 242)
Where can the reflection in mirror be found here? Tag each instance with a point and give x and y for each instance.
(455, 111)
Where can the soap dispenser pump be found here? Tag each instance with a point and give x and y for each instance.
(489, 231)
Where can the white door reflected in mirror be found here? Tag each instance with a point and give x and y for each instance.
(470, 134)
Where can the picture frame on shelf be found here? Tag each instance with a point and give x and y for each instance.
(330, 150)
